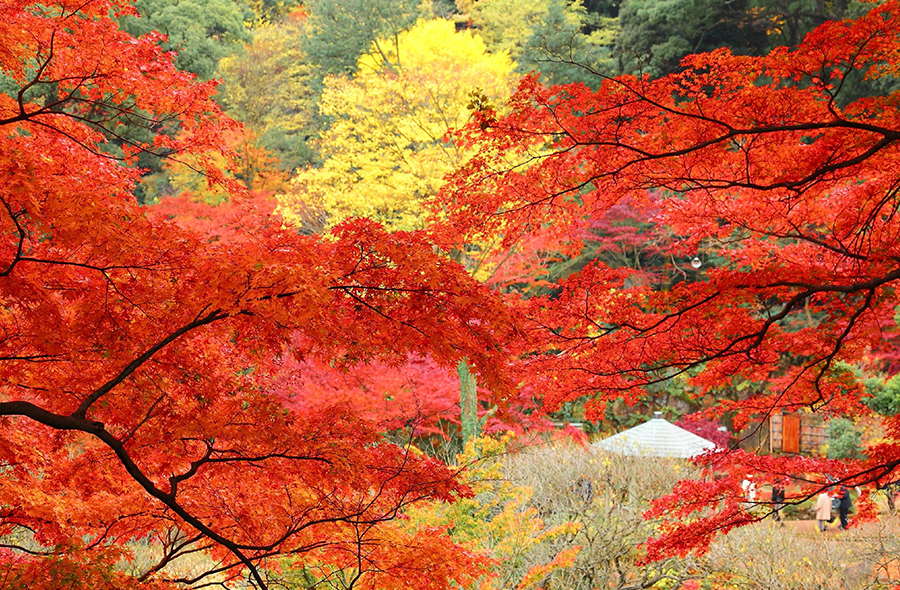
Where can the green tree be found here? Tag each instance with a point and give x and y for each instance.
(560, 39)
(341, 31)
(570, 44)
(788, 21)
(201, 32)
(268, 88)
(657, 34)
(885, 395)
(844, 439)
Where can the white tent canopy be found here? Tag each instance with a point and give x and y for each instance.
(656, 438)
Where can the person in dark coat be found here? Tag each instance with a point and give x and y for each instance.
(844, 506)
(777, 499)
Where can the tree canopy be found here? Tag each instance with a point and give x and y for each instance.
(386, 150)
(201, 33)
(786, 199)
(138, 359)
(174, 379)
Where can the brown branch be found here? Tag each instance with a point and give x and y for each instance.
(213, 316)
(73, 422)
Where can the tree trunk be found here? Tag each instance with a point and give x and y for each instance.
(468, 402)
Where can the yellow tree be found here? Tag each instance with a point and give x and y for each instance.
(504, 24)
(387, 148)
(267, 88)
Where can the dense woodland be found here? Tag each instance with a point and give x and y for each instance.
(308, 295)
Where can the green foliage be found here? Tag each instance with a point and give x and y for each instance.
(560, 39)
(885, 398)
(656, 34)
(845, 440)
(799, 511)
(343, 30)
(268, 87)
(201, 32)
(569, 44)
(608, 8)
(788, 21)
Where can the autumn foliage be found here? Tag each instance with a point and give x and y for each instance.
(774, 176)
(137, 356)
(166, 375)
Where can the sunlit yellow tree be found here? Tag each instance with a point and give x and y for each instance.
(387, 148)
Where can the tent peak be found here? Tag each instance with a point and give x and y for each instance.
(656, 437)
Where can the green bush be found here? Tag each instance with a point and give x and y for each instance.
(844, 440)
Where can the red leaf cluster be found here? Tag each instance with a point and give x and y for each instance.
(138, 358)
(788, 187)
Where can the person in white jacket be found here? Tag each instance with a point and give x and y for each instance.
(823, 510)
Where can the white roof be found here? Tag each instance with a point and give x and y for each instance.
(656, 438)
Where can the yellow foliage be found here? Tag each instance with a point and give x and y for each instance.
(505, 23)
(564, 559)
(499, 520)
(386, 150)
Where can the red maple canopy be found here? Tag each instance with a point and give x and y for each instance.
(136, 357)
(786, 188)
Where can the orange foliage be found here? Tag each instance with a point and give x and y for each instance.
(787, 188)
(137, 356)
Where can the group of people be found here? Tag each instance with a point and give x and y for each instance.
(827, 505)
(831, 502)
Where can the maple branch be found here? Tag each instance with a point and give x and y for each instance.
(74, 422)
(239, 457)
(55, 108)
(888, 138)
(29, 551)
(55, 421)
(195, 465)
(828, 359)
(147, 414)
(20, 242)
(177, 550)
(101, 538)
(20, 97)
(810, 289)
(349, 291)
(141, 359)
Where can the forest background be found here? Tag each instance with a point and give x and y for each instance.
(347, 110)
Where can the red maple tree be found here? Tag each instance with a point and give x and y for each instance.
(137, 357)
(768, 171)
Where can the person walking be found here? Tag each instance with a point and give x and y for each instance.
(749, 488)
(844, 507)
(778, 498)
(823, 510)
